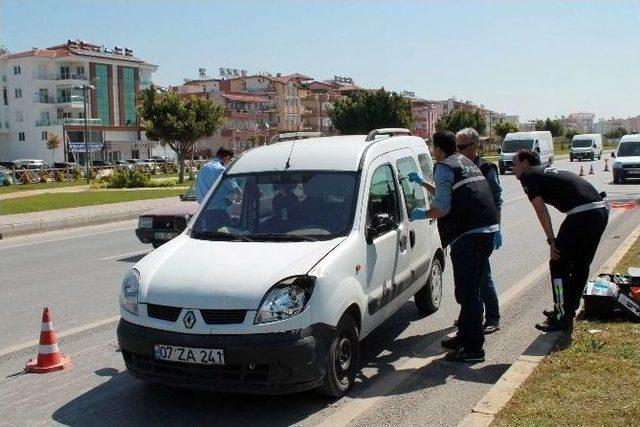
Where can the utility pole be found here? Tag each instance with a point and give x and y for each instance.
(85, 89)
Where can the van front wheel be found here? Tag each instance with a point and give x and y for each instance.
(343, 360)
(428, 298)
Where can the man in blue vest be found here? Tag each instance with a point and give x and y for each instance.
(467, 220)
(468, 143)
(210, 172)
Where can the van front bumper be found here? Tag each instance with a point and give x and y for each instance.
(505, 165)
(583, 155)
(270, 363)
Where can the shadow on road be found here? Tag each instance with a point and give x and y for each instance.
(123, 400)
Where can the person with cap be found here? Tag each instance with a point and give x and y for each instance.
(467, 221)
(467, 143)
(575, 245)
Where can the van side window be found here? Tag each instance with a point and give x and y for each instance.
(383, 194)
(413, 194)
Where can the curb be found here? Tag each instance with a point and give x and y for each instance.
(41, 226)
(503, 390)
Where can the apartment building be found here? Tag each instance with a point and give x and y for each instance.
(318, 99)
(582, 122)
(425, 115)
(43, 96)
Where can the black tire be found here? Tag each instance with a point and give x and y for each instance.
(428, 298)
(616, 179)
(570, 158)
(343, 359)
(501, 171)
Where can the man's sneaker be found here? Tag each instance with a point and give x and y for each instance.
(463, 355)
(552, 325)
(453, 343)
(490, 328)
(549, 313)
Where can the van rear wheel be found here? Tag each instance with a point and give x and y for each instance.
(427, 299)
(343, 360)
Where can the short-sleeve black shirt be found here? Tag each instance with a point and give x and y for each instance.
(561, 189)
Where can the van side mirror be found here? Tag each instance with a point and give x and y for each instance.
(380, 224)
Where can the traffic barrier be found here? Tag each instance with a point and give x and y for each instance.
(606, 165)
(591, 169)
(581, 170)
(49, 357)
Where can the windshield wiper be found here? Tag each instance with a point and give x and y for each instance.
(212, 234)
(294, 237)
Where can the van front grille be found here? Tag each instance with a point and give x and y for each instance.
(223, 317)
(163, 312)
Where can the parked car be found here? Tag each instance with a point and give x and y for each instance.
(586, 146)
(123, 164)
(8, 165)
(140, 164)
(278, 298)
(101, 163)
(30, 164)
(160, 159)
(540, 141)
(163, 224)
(6, 176)
(627, 159)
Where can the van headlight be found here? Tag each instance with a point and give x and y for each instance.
(145, 222)
(129, 293)
(286, 299)
(617, 165)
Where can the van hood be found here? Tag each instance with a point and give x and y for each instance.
(194, 273)
(627, 160)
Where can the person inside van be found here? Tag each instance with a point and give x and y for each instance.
(460, 188)
(468, 142)
(572, 251)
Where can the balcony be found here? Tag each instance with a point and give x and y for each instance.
(246, 114)
(68, 121)
(62, 77)
(45, 99)
(73, 101)
(240, 133)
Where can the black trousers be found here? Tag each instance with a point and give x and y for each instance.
(577, 242)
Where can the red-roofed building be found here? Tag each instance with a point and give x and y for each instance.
(41, 98)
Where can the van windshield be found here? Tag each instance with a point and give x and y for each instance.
(628, 149)
(513, 145)
(280, 206)
(581, 143)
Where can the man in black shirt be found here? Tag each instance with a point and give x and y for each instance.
(572, 251)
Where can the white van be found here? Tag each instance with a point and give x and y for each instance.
(627, 159)
(540, 141)
(300, 250)
(586, 146)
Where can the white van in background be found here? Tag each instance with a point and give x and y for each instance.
(540, 141)
(627, 159)
(586, 146)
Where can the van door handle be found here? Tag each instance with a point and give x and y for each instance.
(403, 241)
(412, 238)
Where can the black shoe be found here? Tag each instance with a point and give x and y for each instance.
(453, 343)
(455, 323)
(463, 355)
(549, 313)
(552, 325)
(490, 328)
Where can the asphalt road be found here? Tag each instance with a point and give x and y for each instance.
(403, 379)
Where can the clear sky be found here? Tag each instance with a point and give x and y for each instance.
(531, 58)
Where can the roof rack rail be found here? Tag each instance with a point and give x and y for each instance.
(387, 131)
(291, 136)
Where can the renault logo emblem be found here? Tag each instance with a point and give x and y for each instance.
(189, 319)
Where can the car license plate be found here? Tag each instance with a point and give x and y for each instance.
(196, 356)
(159, 235)
(634, 172)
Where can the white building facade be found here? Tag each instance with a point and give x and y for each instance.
(43, 96)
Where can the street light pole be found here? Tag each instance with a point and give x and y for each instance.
(85, 89)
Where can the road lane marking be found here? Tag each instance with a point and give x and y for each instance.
(66, 238)
(125, 255)
(383, 386)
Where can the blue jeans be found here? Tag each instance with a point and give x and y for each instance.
(489, 295)
(469, 257)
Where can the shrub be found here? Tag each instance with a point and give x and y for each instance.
(43, 178)
(128, 178)
(76, 173)
(191, 175)
(58, 176)
(6, 181)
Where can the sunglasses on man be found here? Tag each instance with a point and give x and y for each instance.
(463, 146)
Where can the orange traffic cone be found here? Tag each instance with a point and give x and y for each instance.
(581, 171)
(606, 164)
(49, 357)
(591, 169)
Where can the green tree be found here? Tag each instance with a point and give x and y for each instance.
(178, 122)
(364, 111)
(460, 119)
(3, 49)
(253, 139)
(570, 133)
(617, 133)
(554, 126)
(503, 128)
(53, 143)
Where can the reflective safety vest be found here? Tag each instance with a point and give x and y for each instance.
(472, 204)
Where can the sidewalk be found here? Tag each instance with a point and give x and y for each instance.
(38, 222)
(71, 189)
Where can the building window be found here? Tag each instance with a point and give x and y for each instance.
(80, 71)
(19, 116)
(5, 96)
(20, 136)
(65, 74)
(18, 93)
(44, 135)
(16, 70)
(128, 93)
(102, 93)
